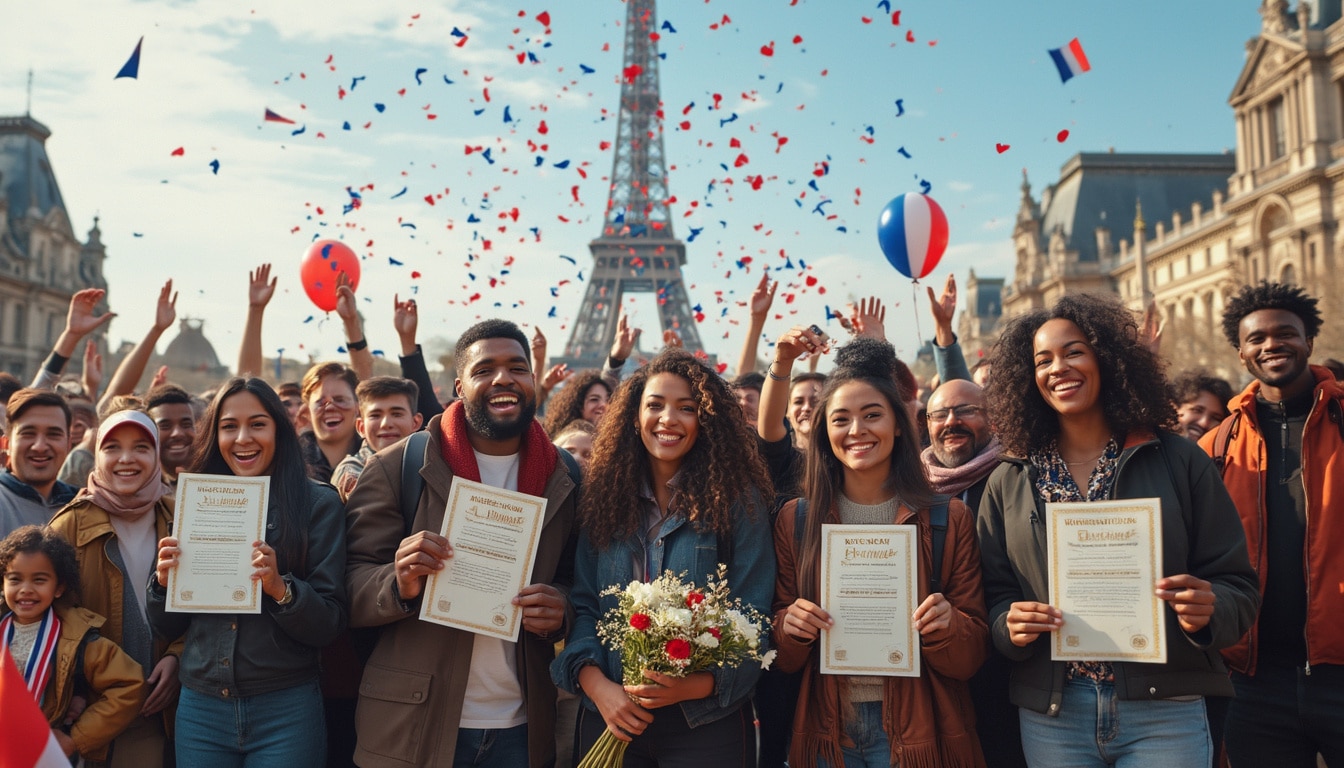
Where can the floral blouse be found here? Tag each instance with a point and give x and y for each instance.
(1054, 482)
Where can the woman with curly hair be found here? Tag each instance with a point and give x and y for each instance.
(863, 468)
(675, 484)
(584, 397)
(1081, 407)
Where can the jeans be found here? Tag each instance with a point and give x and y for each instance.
(1094, 728)
(283, 727)
(491, 747)
(1283, 717)
(668, 742)
(872, 747)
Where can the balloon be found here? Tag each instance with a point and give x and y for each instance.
(324, 260)
(912, 231)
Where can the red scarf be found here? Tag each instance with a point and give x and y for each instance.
(535, 464)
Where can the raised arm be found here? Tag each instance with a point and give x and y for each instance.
(947, 355)
(260, 289)
(621, 348)
(133, 365)
(775, 392)
(80, 321)
(92, 374)
(761, 299)
(406, 319)
(361, 359)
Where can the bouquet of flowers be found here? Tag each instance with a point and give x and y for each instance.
(673, 627)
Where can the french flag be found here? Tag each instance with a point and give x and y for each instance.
(1070, 60)
(28, 741)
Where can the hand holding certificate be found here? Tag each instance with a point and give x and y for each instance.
(1105, 558)
(494, 535)
(869, 585)
(217, 521)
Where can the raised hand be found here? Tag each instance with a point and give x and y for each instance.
(79, 319)
(160, 377)
(624, 343)
(538, 349)
(867, 319)
(763, 295)
(796, 342)
(260, 286)
(165, 311)
(944, 308)
(92, 377)
(345, 298)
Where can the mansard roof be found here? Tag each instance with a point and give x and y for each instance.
(26, 177)
(1097, 189)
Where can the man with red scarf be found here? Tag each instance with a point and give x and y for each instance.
(430, 691)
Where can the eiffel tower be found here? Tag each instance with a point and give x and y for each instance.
(636, 252)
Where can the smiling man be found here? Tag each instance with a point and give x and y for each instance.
(1282, 456)
(386, 414)
(39, 440)
(487, 700)
(962, 451)
(170, 407)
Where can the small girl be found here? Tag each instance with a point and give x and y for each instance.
(46, 642)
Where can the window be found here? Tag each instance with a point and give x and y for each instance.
(20, 329)
(1278, 135)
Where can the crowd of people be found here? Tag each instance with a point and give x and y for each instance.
(664, 464)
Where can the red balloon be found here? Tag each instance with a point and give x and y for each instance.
(323, 262)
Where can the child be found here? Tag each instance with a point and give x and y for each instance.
(47, 642)
(577, 438)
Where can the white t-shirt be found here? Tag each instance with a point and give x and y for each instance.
(494, 699)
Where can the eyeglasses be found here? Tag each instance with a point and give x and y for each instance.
(340, 401)
(962, 411)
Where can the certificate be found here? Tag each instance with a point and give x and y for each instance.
(869, 585)
(1105, 557)
(216, 520)
(494, 535)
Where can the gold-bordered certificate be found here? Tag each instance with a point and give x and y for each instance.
(1105, 558)
(217, 519)
(494, 535)
(869, 585)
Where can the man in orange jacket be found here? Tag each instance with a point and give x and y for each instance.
(1282, 457)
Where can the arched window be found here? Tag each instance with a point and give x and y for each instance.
(1288, 275)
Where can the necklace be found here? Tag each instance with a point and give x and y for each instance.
(1084, 461)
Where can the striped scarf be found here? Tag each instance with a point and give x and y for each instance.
(42, 659)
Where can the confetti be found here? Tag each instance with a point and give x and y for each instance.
(214, 167)
(179, 152)
(272, 117)
(418, 72)
(1001, 148)
(131, 69)
(1062, 136)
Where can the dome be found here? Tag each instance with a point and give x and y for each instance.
(191, 351)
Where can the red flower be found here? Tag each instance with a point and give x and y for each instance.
(678, 649)
(641, 621)
(693, 599)
(716, 633)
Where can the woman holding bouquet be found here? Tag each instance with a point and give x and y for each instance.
(675, 484)
(863, 467)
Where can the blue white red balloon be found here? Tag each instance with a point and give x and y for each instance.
(912, 231)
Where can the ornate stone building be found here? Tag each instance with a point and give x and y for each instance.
(42, 262)
(1270, 212)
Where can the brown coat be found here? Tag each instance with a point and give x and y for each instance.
(929, 720)
(410, 700)
(89, 528)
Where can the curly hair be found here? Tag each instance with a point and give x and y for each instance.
(722, 466)
(35, 539)
(824, 474)
(1133, 381)
(567, 405)
(1186, 387)
(1266, 295)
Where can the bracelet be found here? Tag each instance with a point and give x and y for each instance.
(770, 371)
(356, 346)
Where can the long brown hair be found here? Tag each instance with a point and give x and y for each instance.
(721, 468)
(567, 405)
(824, 475)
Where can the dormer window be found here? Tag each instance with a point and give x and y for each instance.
(1278, 134)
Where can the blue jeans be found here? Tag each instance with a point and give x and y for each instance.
(1094, 728)
(872, 747)
(283, 727)
(1283, 717)
(491, 747)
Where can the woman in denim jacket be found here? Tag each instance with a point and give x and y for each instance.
(675, 485)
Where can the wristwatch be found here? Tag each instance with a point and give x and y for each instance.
(289, 593)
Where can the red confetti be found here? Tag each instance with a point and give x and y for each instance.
(604, 145)
(768, 50)
(895, 18)
(180, 151)
(740, 161)
(415, 275)
(631, 72)
(756, 181)
(720, 367)
(684, 125)
(811, 280)
(734, 143)
(1062, 136)
(1001, 148)
(544, 18)
(543, 129)
(910, 36)
(797, 39)
(429, 199)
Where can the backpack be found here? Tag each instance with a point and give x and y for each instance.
(1227, 430)
(937, 521)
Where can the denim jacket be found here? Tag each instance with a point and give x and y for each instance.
(678, 547)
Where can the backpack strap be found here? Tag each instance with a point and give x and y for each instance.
(938, 522)
(412, 484)
(571, 466)
(1226, 431)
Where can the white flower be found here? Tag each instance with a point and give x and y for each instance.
(707, 640)
(643, 595)
(767, 659)
(744, 627)
(676, 617)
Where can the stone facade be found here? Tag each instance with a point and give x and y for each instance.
(1275, 217)
(42, 262)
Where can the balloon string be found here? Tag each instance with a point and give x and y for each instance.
(914, 302)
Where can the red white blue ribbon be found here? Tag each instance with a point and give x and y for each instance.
(42, 659)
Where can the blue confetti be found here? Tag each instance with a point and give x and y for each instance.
(137, 234)
(214, 167)
(508, 116)
(532, 57)
(667, 27)
(399, 194)
(345, 126)
(551, 313)
(820, 207)
(780, 87)
(341, 349)
(408, 224)
(446, 80)
(727, 120)
(472, 219)
(457, 33)
(925, 186)
(900, 107)
(418, 73)
(380, 107)
(694, 234)
(885, 6)
(570, 259)
(903, 153)
(540, 161)
(308, 319)
(477, 112)
(355, 82)
(870, 130)
(298, 130)
(585, 69)
(393, 262)
(563, 164)
(841, 229)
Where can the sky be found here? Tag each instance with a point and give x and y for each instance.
(477, 136)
